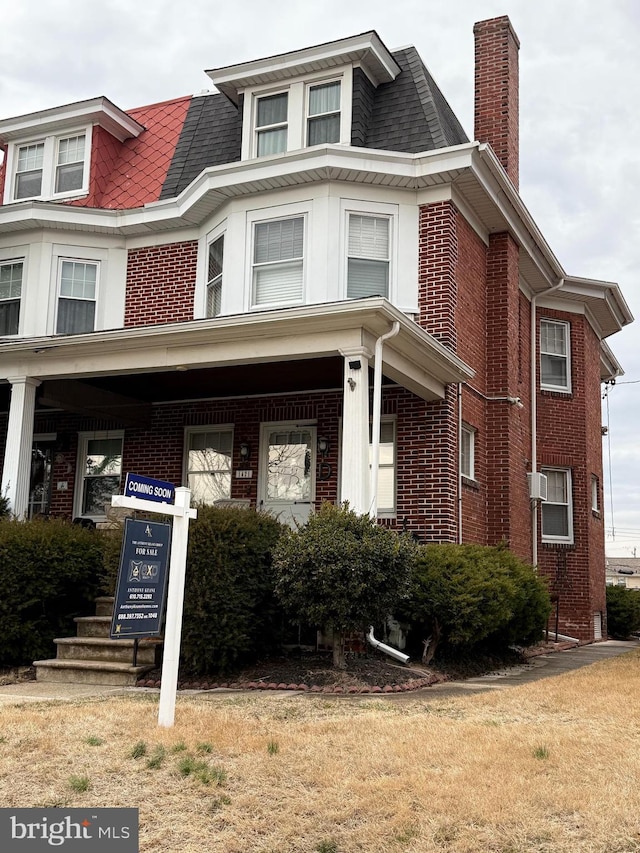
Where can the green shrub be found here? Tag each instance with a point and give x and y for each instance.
(623, 611)
(230, 612)
(342, 571)
(48, 574)
(5, 509)
(469, 595)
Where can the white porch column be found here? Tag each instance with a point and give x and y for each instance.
(16, 471)
(355, 431)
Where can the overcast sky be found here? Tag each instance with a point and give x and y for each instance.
(579, 114)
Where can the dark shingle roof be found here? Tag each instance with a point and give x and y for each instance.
(211, 135)
(407, 114)
(411, 114)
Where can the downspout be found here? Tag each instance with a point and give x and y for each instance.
(376, 415)
(534, 416)
(459, 465)
(383, 647)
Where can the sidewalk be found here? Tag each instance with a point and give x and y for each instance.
(543, 666)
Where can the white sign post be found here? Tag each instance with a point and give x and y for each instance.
(182, 514)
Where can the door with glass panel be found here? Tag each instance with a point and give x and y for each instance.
(287, 471)
(40, 480)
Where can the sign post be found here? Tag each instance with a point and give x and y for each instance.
(156, 494)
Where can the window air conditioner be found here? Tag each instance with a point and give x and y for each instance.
(537, 486)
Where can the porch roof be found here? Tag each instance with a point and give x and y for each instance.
(168, 355)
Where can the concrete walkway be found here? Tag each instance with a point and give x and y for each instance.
(543, 666)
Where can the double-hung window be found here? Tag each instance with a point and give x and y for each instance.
(49, 167)
(100, 463)
(595, 494)
(555, 365)
(208, 464)
(368, 250)
(323, 113)
(386, 467)
(467, 452)
(28, 181)
(278, 255)
(10, 293)
(272, 124)
(77, 297)
(214, 277)
(557, 515)
(70, 164)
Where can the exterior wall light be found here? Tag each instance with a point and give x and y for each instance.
(323, 446)
(245, 451)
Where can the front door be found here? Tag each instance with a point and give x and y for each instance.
(287, 471)
(40, 482)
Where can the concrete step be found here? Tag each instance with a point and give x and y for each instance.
(101, 649)
(104, 605)
(93, 626)
(89, 672)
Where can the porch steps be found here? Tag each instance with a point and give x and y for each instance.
(92, 657)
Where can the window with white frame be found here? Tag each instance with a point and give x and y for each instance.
(368, 256)
(214, 277)
(557, 514)
(278, 254)
(555, 365)
(386, 467)
(467, 452)
(77, 297)
(208, 463)
(49, 168)
(272, 124)
(595, 494)
(100, 470)
(10, 295)
(323, 113)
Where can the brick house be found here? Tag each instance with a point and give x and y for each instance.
(307, 285)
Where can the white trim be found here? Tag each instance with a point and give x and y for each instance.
(471, 432)
(547, 386)
(195, 430)
(62, 259)
(376, 210)
(83, 445)
(51, 144)
(568, 539)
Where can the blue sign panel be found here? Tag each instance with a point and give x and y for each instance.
(142, 579)
(136, 486)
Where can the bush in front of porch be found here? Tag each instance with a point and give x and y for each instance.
(49, 573)
(342, 571)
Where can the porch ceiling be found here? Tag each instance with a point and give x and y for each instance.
(281, 351)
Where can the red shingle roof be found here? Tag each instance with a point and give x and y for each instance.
(141, 168)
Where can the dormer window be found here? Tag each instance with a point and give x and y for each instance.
(323, 122)
(271, 124)
(50, 168)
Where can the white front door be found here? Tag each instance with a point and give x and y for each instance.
(287, 471)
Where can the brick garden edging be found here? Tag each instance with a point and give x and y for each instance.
(412, 684)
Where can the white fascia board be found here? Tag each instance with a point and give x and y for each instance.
(96, 110)
(610, 367)
(366, 49)
(284, 334)
(606, 290)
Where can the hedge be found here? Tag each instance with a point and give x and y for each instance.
(623, 611)
(49, 573)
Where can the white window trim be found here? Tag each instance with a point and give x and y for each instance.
(11, 258)
(471, 432)
(195, 430)
(49, 165)
(215, 236)
(85, 255)
(379, 209)
(276, 214)
(83, 443)
(60, 260)
(595, 494)
(561, 389)
(564, 540)
(310, 84)
(297, 109)
(390, 512)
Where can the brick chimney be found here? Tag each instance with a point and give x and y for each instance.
(496, 90)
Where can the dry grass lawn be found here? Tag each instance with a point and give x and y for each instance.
(550, 767)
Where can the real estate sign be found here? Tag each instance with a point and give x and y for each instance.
(142, 580)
